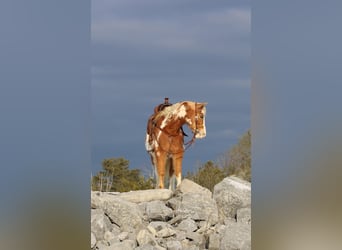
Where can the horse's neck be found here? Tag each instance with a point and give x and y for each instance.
(171, 124)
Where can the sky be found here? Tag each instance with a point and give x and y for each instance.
(143, 51)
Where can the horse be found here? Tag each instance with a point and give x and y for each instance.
(165, 140)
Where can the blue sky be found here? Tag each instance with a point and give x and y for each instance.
(184, 50)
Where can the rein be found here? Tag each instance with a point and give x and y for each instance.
(187, 144)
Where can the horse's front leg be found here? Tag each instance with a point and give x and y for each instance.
(161, 161)
(177, 164)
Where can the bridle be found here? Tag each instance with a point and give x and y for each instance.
(187, 144)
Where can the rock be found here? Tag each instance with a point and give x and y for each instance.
(188, 245)
(123, 213)
(145, 237)
(158, 225)
(231, 194)
(175, 220)
(173, 245)
(192, 219)
(236, 236)
(187, 225)
(214, 241)
(100, 223)
(149, 247)
(166, 232)
(156, 210)
(196, 238)
(110, 237)
(180, 235)
(152, 230)
(145, 195)
(92, 240)
(174, 202)
(244, 215)
(123, 236)
(124, 245)
(198, 207)
(188, 186)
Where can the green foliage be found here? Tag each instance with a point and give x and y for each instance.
(237, 161)
(208, 175)
(117, 177)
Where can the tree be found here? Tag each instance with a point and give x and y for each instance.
(208, 175)
(117, 177)
(237, 161)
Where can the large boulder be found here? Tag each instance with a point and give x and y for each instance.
(145, 195)
(100, 223)
(188, 186)
(123, 213)
(198, 208)
(187, 225)
(236, 236)
(157, 210)
(230, 195)
(191, 218)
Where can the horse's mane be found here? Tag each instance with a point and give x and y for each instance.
(169, 110)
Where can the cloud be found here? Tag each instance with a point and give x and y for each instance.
(196, 32)
(186, 50)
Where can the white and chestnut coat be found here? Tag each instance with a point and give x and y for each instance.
(165, 139)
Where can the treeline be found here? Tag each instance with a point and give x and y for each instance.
(235, 162)
(116, 176)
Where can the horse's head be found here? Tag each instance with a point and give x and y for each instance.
(195, 118)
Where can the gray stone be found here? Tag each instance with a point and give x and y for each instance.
(173, 245)
(244, 215)
(236, 236)
(110, 237)
(157, 210)
(175, 220)
(231, 194)
(92, 240)
(123, 213)
(188, 186)
(124, 245)
(159, 225)
(198, 207)
(123, 236)
(189, 245)
(152, 230)
(180, 235)
(101, 245)
(149, 247)
(145, 237)
(174, 202)
(166, 232)
(187, 225)
(214, 241)
(100, 223)
(197, 238)
(146, 195)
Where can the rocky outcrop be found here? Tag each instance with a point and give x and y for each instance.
(230, 195)
(189, 218)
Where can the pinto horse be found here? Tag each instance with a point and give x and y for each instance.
(165, 140)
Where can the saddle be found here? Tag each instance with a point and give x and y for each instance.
(151, 122)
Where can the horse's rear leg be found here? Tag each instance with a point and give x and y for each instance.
(177, 166)
(161, 161)
(172, 179)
